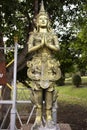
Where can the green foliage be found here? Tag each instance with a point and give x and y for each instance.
(76, 80)
(67, 17)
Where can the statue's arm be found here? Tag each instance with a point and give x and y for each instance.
(31, 45)
(55, 45)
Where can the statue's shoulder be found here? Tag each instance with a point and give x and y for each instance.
(33, 33)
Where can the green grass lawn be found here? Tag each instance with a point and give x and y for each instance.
(72, 95)
(84, 80)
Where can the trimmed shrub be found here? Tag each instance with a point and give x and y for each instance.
(76, 80)
(61, 81)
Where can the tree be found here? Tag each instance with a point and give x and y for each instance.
(17, 18)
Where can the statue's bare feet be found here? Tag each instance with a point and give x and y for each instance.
(36, 126)
(50, 124)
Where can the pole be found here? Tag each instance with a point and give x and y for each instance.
(13, 110)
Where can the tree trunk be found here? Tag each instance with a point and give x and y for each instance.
(36, 8)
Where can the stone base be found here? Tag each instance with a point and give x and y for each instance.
(60, 126)
(64, 126)
(54, 128)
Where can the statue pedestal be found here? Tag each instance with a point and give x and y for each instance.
(61, 126)
(54, 128)
(48, 129)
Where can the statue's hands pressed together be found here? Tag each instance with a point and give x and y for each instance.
(43, 42)
(53, 44)
(32, 47)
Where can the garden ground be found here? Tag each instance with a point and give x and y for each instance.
(75, 115)
(73, 105)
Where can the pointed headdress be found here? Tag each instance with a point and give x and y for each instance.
(42, 11)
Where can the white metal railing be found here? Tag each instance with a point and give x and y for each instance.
(16, 113)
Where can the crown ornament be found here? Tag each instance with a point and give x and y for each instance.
(42, 10)
(42, 7)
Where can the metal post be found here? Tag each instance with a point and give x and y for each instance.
(13, 110)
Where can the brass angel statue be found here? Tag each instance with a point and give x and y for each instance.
(43, 68)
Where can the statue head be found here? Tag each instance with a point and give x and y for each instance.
(42, 19)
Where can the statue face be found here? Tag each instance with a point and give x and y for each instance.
(42, 21)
